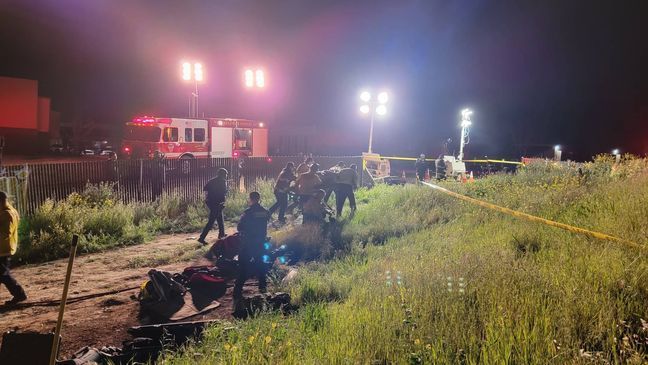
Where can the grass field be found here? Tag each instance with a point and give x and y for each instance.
(441, 281)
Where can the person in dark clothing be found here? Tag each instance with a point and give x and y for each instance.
(253, 228)
(328, 178)
(281, 188)
(216, 190)
(347, 182)
(421, 167)
(440, 168)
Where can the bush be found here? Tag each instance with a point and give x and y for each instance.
(102, 221)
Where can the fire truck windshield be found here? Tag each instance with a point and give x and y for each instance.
(142, 133)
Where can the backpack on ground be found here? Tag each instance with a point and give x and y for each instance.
(161, 295)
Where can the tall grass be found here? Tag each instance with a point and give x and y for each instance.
(103, 222)
(448, 282)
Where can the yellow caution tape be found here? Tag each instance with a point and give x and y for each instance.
(533, 218)
(495, 161)
(432, 159)
(404, 158)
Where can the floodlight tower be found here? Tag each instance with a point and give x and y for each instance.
(465, 129)
(193, 72)
(372, 108)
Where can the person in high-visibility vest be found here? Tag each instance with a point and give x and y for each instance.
(9, 220)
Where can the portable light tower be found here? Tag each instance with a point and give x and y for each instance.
(465, 129)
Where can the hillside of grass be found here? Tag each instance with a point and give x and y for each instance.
(427, 279)
(103, 222)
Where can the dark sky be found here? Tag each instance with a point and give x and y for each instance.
(536, 73)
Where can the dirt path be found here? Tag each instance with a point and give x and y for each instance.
(102, 321)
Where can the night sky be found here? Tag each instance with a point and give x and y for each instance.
(536, 73)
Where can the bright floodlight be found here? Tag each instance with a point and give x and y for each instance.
(381, 110)
(615, 151)
(364, 109)
(383, 97)
(186, 71)
(466, 113)
(260, 78)
(365, 96)
(249, 78)
(198, 72)
(557, 147)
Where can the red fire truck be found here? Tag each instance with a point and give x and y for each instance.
(144, 137)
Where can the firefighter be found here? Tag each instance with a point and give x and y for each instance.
(9, 220)
(328, 178)
(216, 190)
(347, 182)
(304, 167)
(281, 188)
(440, 168)
(421, 167)
(253, 228)
(307, 184)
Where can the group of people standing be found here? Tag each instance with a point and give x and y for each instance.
(422, 167)
(310, 187)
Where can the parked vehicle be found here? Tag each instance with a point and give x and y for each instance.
(146, 137)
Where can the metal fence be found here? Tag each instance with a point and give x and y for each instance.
(140, 180)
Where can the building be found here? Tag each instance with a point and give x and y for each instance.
(25, 117)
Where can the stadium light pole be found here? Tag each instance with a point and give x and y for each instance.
(465, 129)
(254, 79)
(372, 108)
(193, 72)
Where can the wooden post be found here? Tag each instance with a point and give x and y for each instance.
(66, 287)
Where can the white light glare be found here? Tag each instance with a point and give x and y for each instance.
(260, 78)
(365, 96)
(381, 110)
(364, 109)
(383, 97)
(198, 71)
(465, 117)
(249, 78)
(557, 148)
(616, 151)
(186, 71)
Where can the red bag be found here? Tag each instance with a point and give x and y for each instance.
(226, 247)
(207, 285)
(191, 270)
